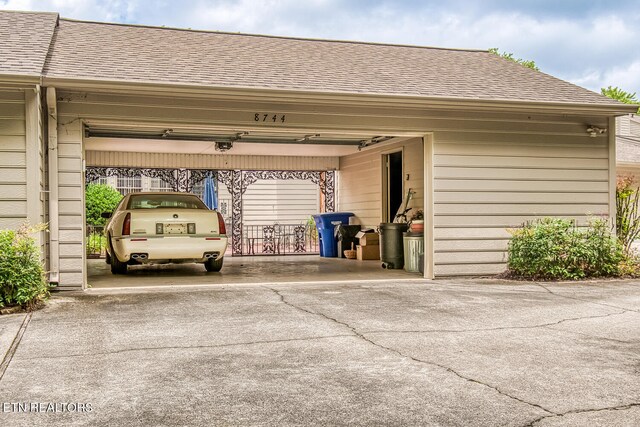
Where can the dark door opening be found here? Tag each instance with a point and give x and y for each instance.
(394, 184)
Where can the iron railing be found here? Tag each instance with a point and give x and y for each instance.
(96, 241)
(279, 239)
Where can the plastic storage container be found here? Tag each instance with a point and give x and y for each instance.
(326, 223)
(391, 244)
(413, 247)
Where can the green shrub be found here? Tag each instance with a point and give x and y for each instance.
(553, 248)
(100, 198)
(22, 278)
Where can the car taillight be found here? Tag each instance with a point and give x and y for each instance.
(222, 228)
(126, 225)
(191, 228)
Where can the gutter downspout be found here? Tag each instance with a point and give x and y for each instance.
(54, 234)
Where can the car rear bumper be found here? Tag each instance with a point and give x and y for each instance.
(165, 248)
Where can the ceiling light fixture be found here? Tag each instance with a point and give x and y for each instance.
(223, 146)
(594, 131)
(374, 140)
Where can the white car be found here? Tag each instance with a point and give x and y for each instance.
(162, 228)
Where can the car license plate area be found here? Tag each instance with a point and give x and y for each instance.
(175, 229)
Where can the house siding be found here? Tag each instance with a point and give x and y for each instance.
(485, 184)
(13, 157)
(281, 201)
(71, 204)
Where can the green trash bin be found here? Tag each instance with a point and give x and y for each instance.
(392, 245)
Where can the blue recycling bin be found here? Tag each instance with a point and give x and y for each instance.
(325, 223)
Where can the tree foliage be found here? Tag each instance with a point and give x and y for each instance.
(100, 198)
(620, 95)
(627, 212)
(509, 56)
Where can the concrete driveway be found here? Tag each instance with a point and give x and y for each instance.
(463, 352)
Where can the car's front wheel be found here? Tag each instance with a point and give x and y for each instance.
(117, 267)
(213, 265)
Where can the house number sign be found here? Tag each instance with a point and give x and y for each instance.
(269, 117)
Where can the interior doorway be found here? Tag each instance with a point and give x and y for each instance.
(393, 184)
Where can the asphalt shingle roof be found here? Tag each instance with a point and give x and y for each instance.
(129, 53)
(25, 38)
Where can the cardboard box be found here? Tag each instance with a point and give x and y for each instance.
(368, 252)
(368, 238)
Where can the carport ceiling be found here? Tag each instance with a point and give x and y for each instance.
(126, 137)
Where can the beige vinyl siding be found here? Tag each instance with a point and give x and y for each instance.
(13, 174)
(71, 205)
(281, 201)
(623, 125)
(360, 180)
(634, 126)
(485, 184)
(209, 161)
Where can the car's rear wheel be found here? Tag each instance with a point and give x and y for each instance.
(107, 257)
(213, 265)
(117, 267)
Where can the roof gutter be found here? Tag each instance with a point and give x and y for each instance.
(17, 80)
(355, 99)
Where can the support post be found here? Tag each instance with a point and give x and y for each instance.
(611, 135)
(52, 144)
(429, 250)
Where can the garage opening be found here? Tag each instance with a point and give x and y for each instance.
(267, 211)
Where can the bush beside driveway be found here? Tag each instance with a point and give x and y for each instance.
(459, 352)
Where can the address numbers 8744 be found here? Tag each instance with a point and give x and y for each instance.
(269, 117)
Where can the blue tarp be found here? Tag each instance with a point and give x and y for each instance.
(210, 197)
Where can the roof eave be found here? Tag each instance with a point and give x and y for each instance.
(19, 79)
(307, 96)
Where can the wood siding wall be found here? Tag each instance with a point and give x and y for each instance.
(13, 159)
(360, 180)
(71, 203)
(281, 201)
(209, 161)
(486, 183)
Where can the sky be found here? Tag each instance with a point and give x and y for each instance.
(591, 43)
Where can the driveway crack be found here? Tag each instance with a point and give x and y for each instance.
(583, 411)
(406, 356)
(186, 347)
(8, 357)
(499, 328)
(585, 300)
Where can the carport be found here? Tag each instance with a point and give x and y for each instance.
(182, 157)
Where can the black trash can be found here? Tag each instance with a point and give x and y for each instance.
(391, 244)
